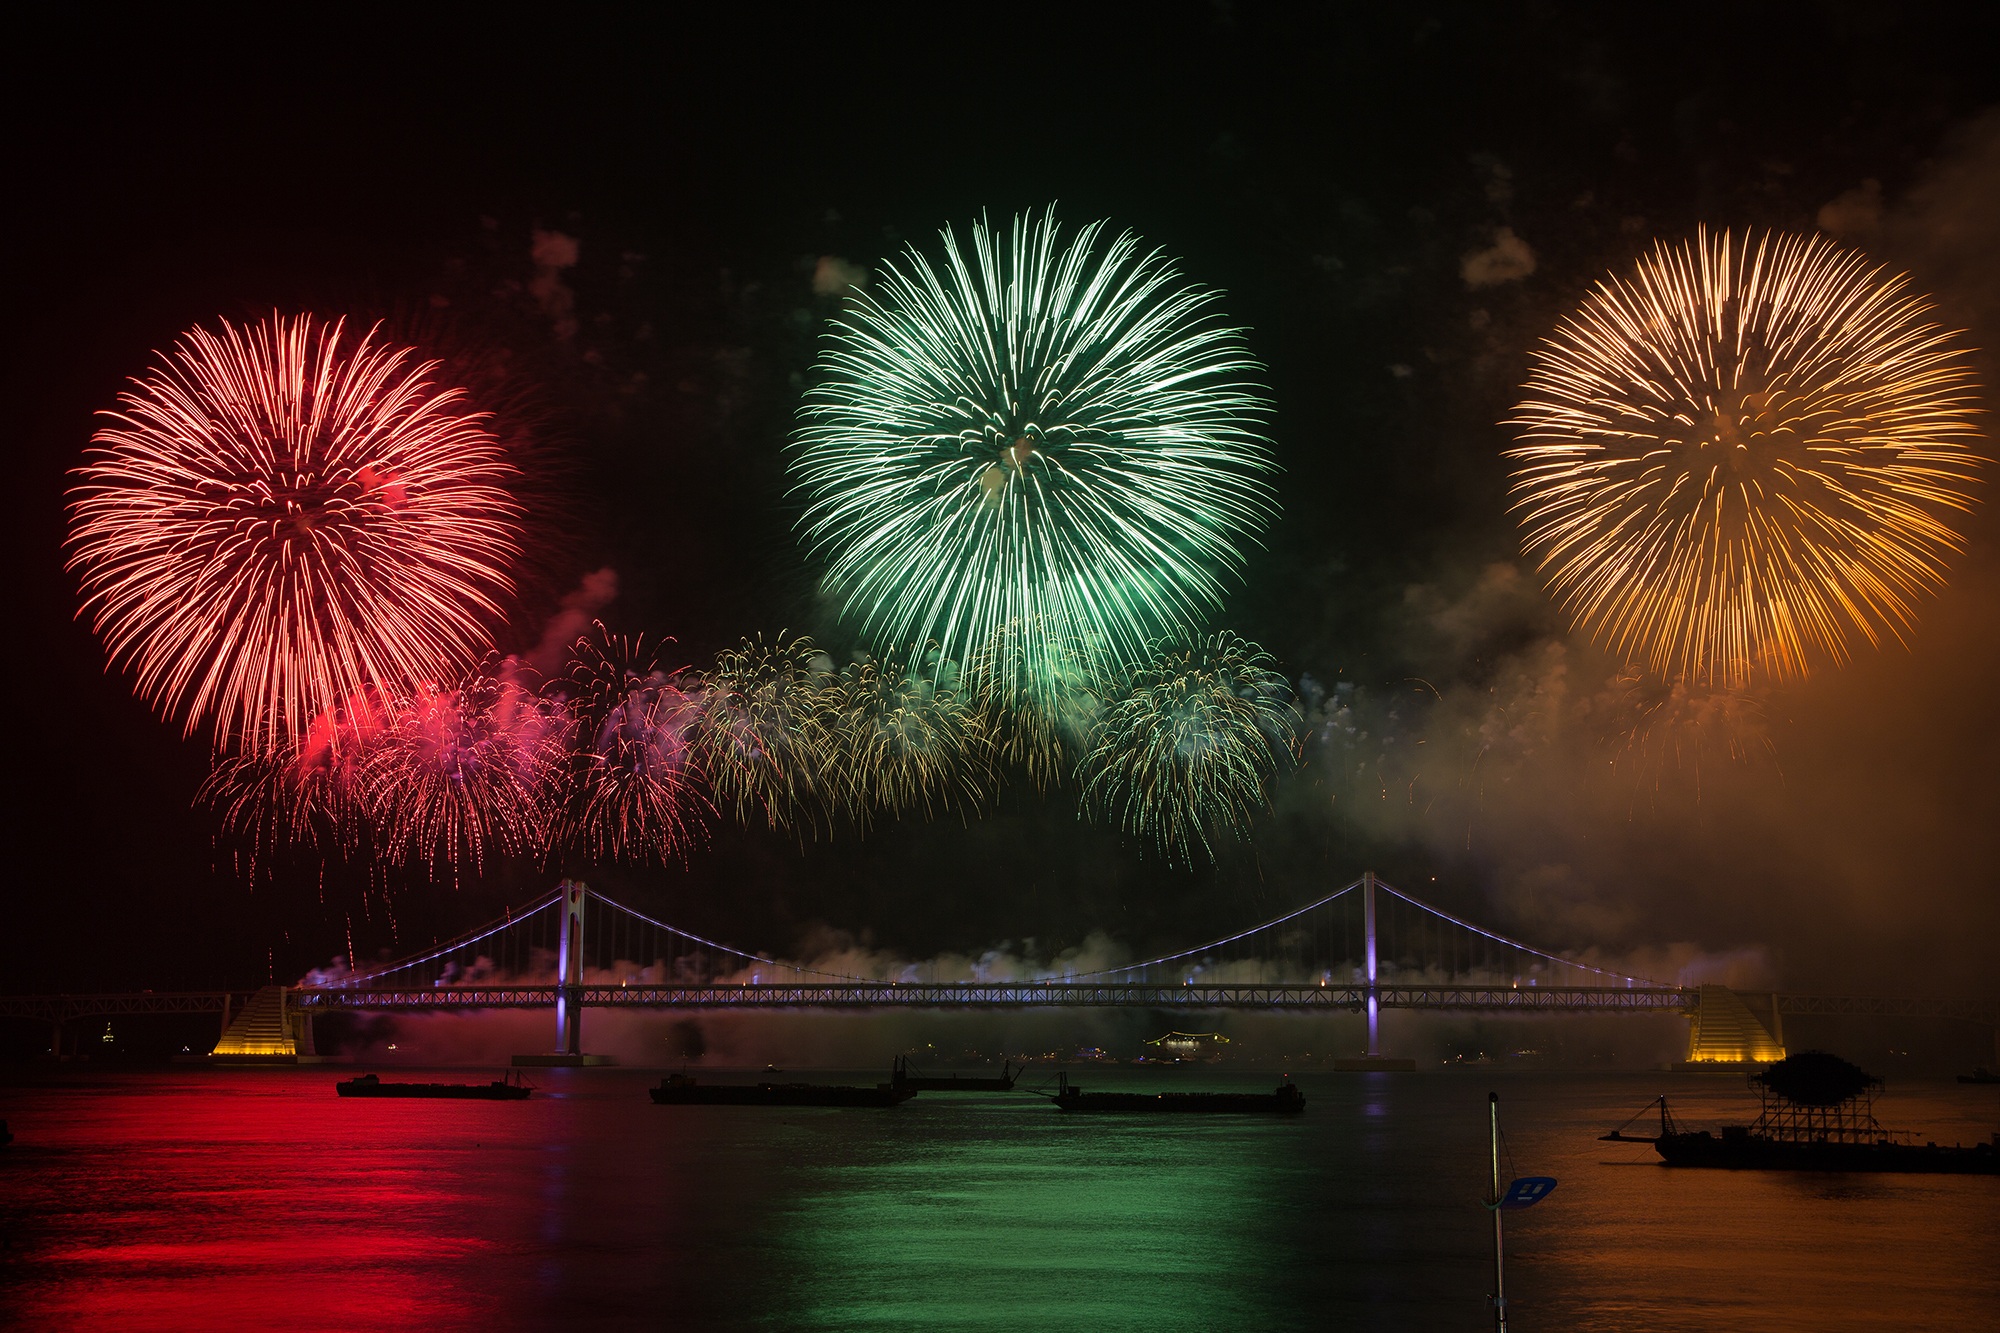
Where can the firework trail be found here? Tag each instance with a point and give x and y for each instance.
(910, 743)
(639, 796)
(465, 773)
(1189, 745)
(1044, 441)
(279, 517)
(1038, 725)
(766, 733)
(1742, 456)
(306, 796)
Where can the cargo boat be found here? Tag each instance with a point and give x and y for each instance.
(684, 1090)
(1818, 1115)
(903, 1078)
(509, 1089)
(1286, 1099)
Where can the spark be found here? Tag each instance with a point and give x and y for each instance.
(639, 795)
(1189, 746)
(279, 517)
(1044, 442)
(1743, 456)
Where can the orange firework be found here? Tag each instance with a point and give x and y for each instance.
(280, 518)
(1744, 454)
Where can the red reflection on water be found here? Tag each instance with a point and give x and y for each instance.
(274, 1204)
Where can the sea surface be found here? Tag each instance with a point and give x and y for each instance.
(222, 1200)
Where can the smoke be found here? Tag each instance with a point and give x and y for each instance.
(1834, 834)
(553, 253)
(834, 276)
(1945, 228)
(572, 618)
(1508, 259)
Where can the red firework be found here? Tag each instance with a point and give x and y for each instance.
(640, 796)
(279, 518)
(461, 774)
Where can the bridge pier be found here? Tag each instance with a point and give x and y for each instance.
(569, 987)
(1374, 992)
(569, 972)
(1371, 993)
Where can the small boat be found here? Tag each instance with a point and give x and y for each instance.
(1981, 1075)
(1818, 1115)
(684, 1090)
(1286, 1099)
(508, 1089)
(903, 1078)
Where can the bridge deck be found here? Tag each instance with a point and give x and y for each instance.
(1007, 995)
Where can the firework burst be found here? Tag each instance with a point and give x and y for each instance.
(1189, 745)
(280, 517)
(910, 743)
(766, 733)
(1038, 724)
(639, 795)
(1043, 442)
(459, 775)
(305, 797)
(1744, 455)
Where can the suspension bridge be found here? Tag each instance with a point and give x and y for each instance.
(1362, 949)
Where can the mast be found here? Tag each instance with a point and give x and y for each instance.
(1499, 1271)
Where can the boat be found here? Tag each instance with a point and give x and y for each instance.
(685, 1090)
(1818, 1115)
(903, 1078)
(1285, 1099)
(1981, 1075)
(508, 1089)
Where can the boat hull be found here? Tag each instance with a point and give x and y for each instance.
(456, 1092)
(1287, 1100)
(1753, 1154)
(777, 1094)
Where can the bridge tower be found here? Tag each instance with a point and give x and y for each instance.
(1374, 992)
(569, 987)
(1371, 992)
(569, 971)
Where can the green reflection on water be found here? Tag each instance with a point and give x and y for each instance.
(1011, 1214)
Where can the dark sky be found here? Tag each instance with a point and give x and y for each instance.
(1330, 170)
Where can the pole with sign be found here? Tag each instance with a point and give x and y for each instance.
(1525, 1192)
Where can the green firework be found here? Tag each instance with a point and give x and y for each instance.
(1189, 745)
(1041, 443)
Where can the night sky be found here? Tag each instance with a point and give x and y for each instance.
(1336, 174)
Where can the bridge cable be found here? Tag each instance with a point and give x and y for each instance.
(1228, 939)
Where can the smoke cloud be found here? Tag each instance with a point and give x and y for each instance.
(572, 618)
(1832, 835)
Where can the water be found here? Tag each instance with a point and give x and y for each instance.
(223, 1200)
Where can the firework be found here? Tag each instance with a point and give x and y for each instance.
(765, 732)
(1744, 455)
(465, 773)
(1038, 722)
(910, 743)
(305, 797)
(1189, 745)
(1044, 442)
(280, 517)
(639, 796)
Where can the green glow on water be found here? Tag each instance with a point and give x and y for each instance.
(1053, 1221)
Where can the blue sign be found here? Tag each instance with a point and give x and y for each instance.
(1527, 1192)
